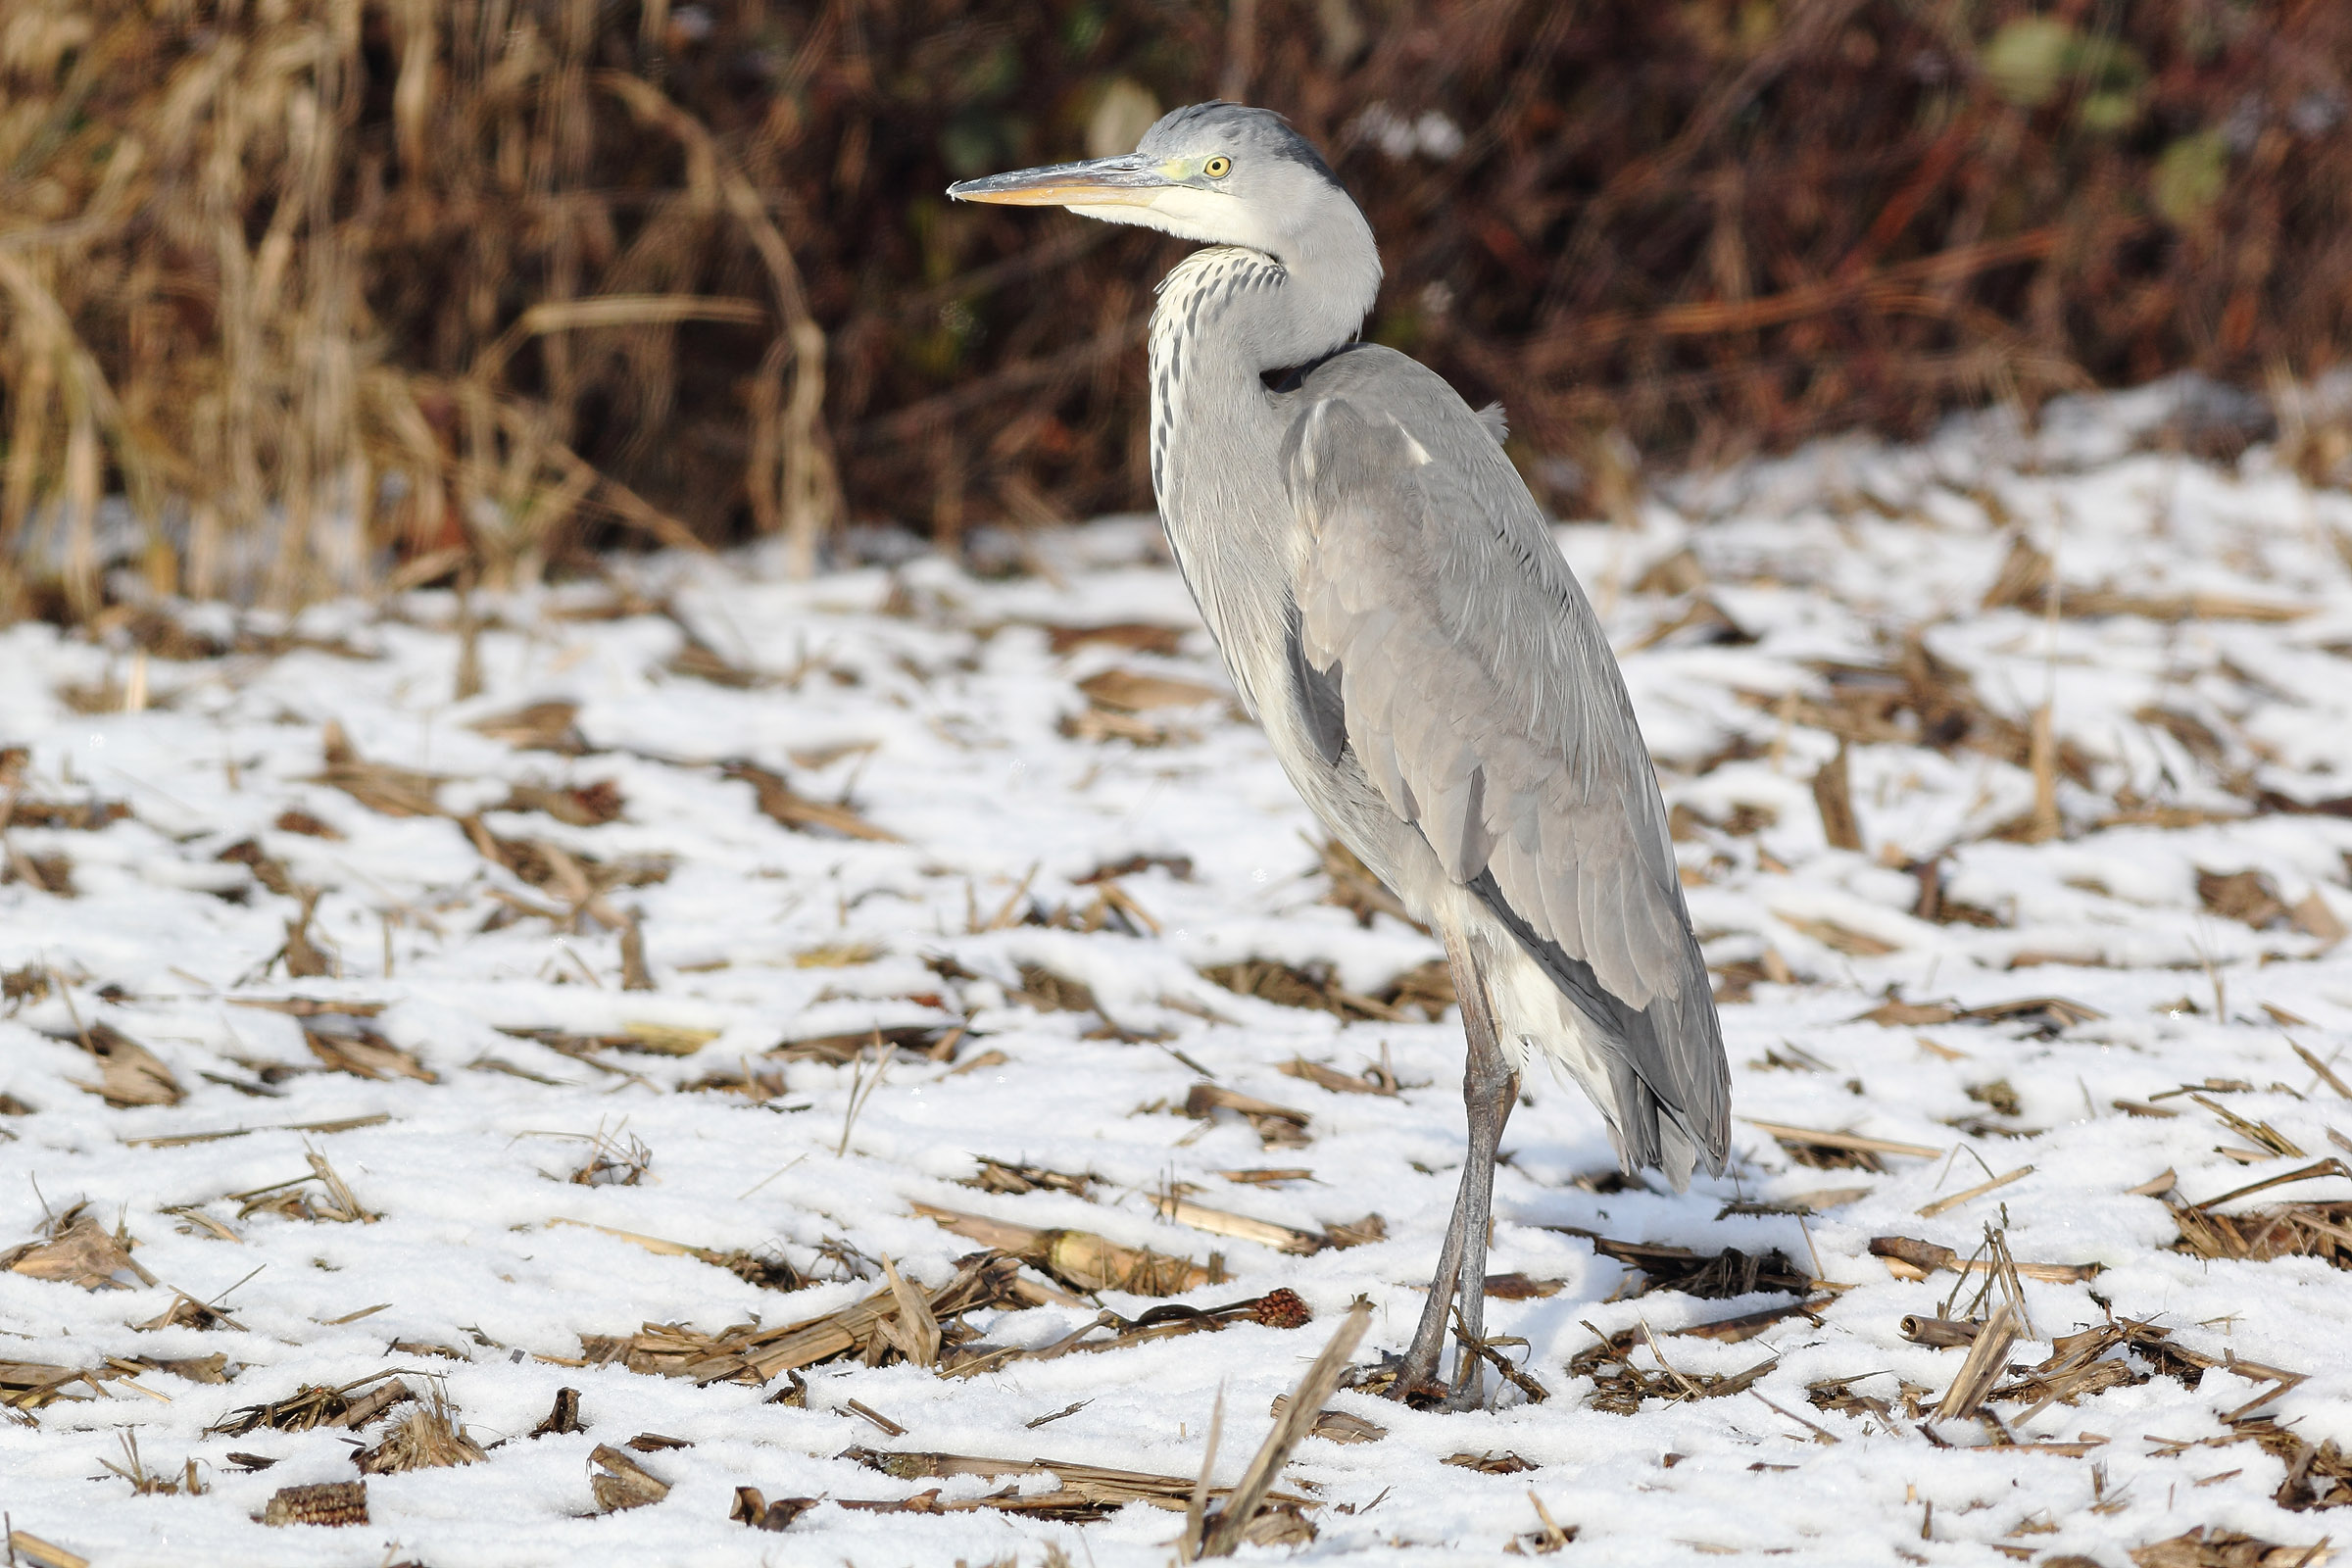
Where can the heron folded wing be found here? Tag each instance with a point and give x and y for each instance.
(1482, 699)
(1320, 699)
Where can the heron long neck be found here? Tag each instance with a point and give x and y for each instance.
(1227, 316)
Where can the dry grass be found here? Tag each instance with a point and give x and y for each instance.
(315, 282)
(343, 292)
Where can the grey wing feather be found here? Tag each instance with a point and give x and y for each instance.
(1481, 699)
(1318, 691)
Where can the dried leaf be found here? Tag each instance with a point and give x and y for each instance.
(129, 1075)
(79, 1251)
(780, 802)
(1312, 985)
(537, 726)
(1143, 637)
(624, 1482)
(913, 1328)
(364, 1052)
(2247, 895)
(379, 786)
(1125, 691)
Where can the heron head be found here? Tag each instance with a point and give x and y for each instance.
(1218, 172)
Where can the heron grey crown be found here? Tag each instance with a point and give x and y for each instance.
(1236, 130)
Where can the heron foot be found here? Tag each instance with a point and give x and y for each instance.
(1436, 1395)
(1464, 1398)
(1410, 1382)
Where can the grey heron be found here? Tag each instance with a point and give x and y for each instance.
(1394, 611)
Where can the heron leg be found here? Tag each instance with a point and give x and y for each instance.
(1490, 1089)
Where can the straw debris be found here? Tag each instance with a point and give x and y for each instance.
(317, 1405)
(267, 871)
(1839, 1151)
(1083, 1494)
(573, 805)
(43, 1554)
(1137, 636)
(615, 1160)
(129, 1075)
(1987, 1358)
(1082, 1259)
(1240, 1227)
(1909, 1259)
(1119, 704)
(334, 1203)
(2080, 1365)
(2283, 1230)
(1112, 908)
(185, 1311)
(548, 726)
(1374, 1080)
(1548, 1537)
(1312, 985)
(348, 1045)
(1276, 1310)
(1709, 1276)
(1013, 1179)
(49, 870)
(1356, 890)
(1239, 1520)
(753, 1508)
(213, 1368)
(2212, 1547)
(1620, 1385)
(78, 1251)
(2250, 897)
(747, 1353)
(381, 787)
(2320, 1229)
(1336, 1426)
(2317, 1475)
(563, 1416)
(82, 816)
(937, 1042)
(761, 1268)
(29, 1385)
(1277, 1126)
(780, 802)
(2044, 1017)
(426, 1438)
(1045, 991)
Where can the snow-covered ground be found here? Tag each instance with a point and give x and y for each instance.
(2197, 671)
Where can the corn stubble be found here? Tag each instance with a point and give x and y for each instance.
(263, 287)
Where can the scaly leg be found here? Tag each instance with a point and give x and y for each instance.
(1489, 1091)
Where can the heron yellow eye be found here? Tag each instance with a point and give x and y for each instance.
(1217, 168)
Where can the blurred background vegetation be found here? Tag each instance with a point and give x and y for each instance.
(296, 295)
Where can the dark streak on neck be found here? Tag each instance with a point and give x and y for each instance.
(1288, 379)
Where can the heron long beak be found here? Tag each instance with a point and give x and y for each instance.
(1128, 180)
